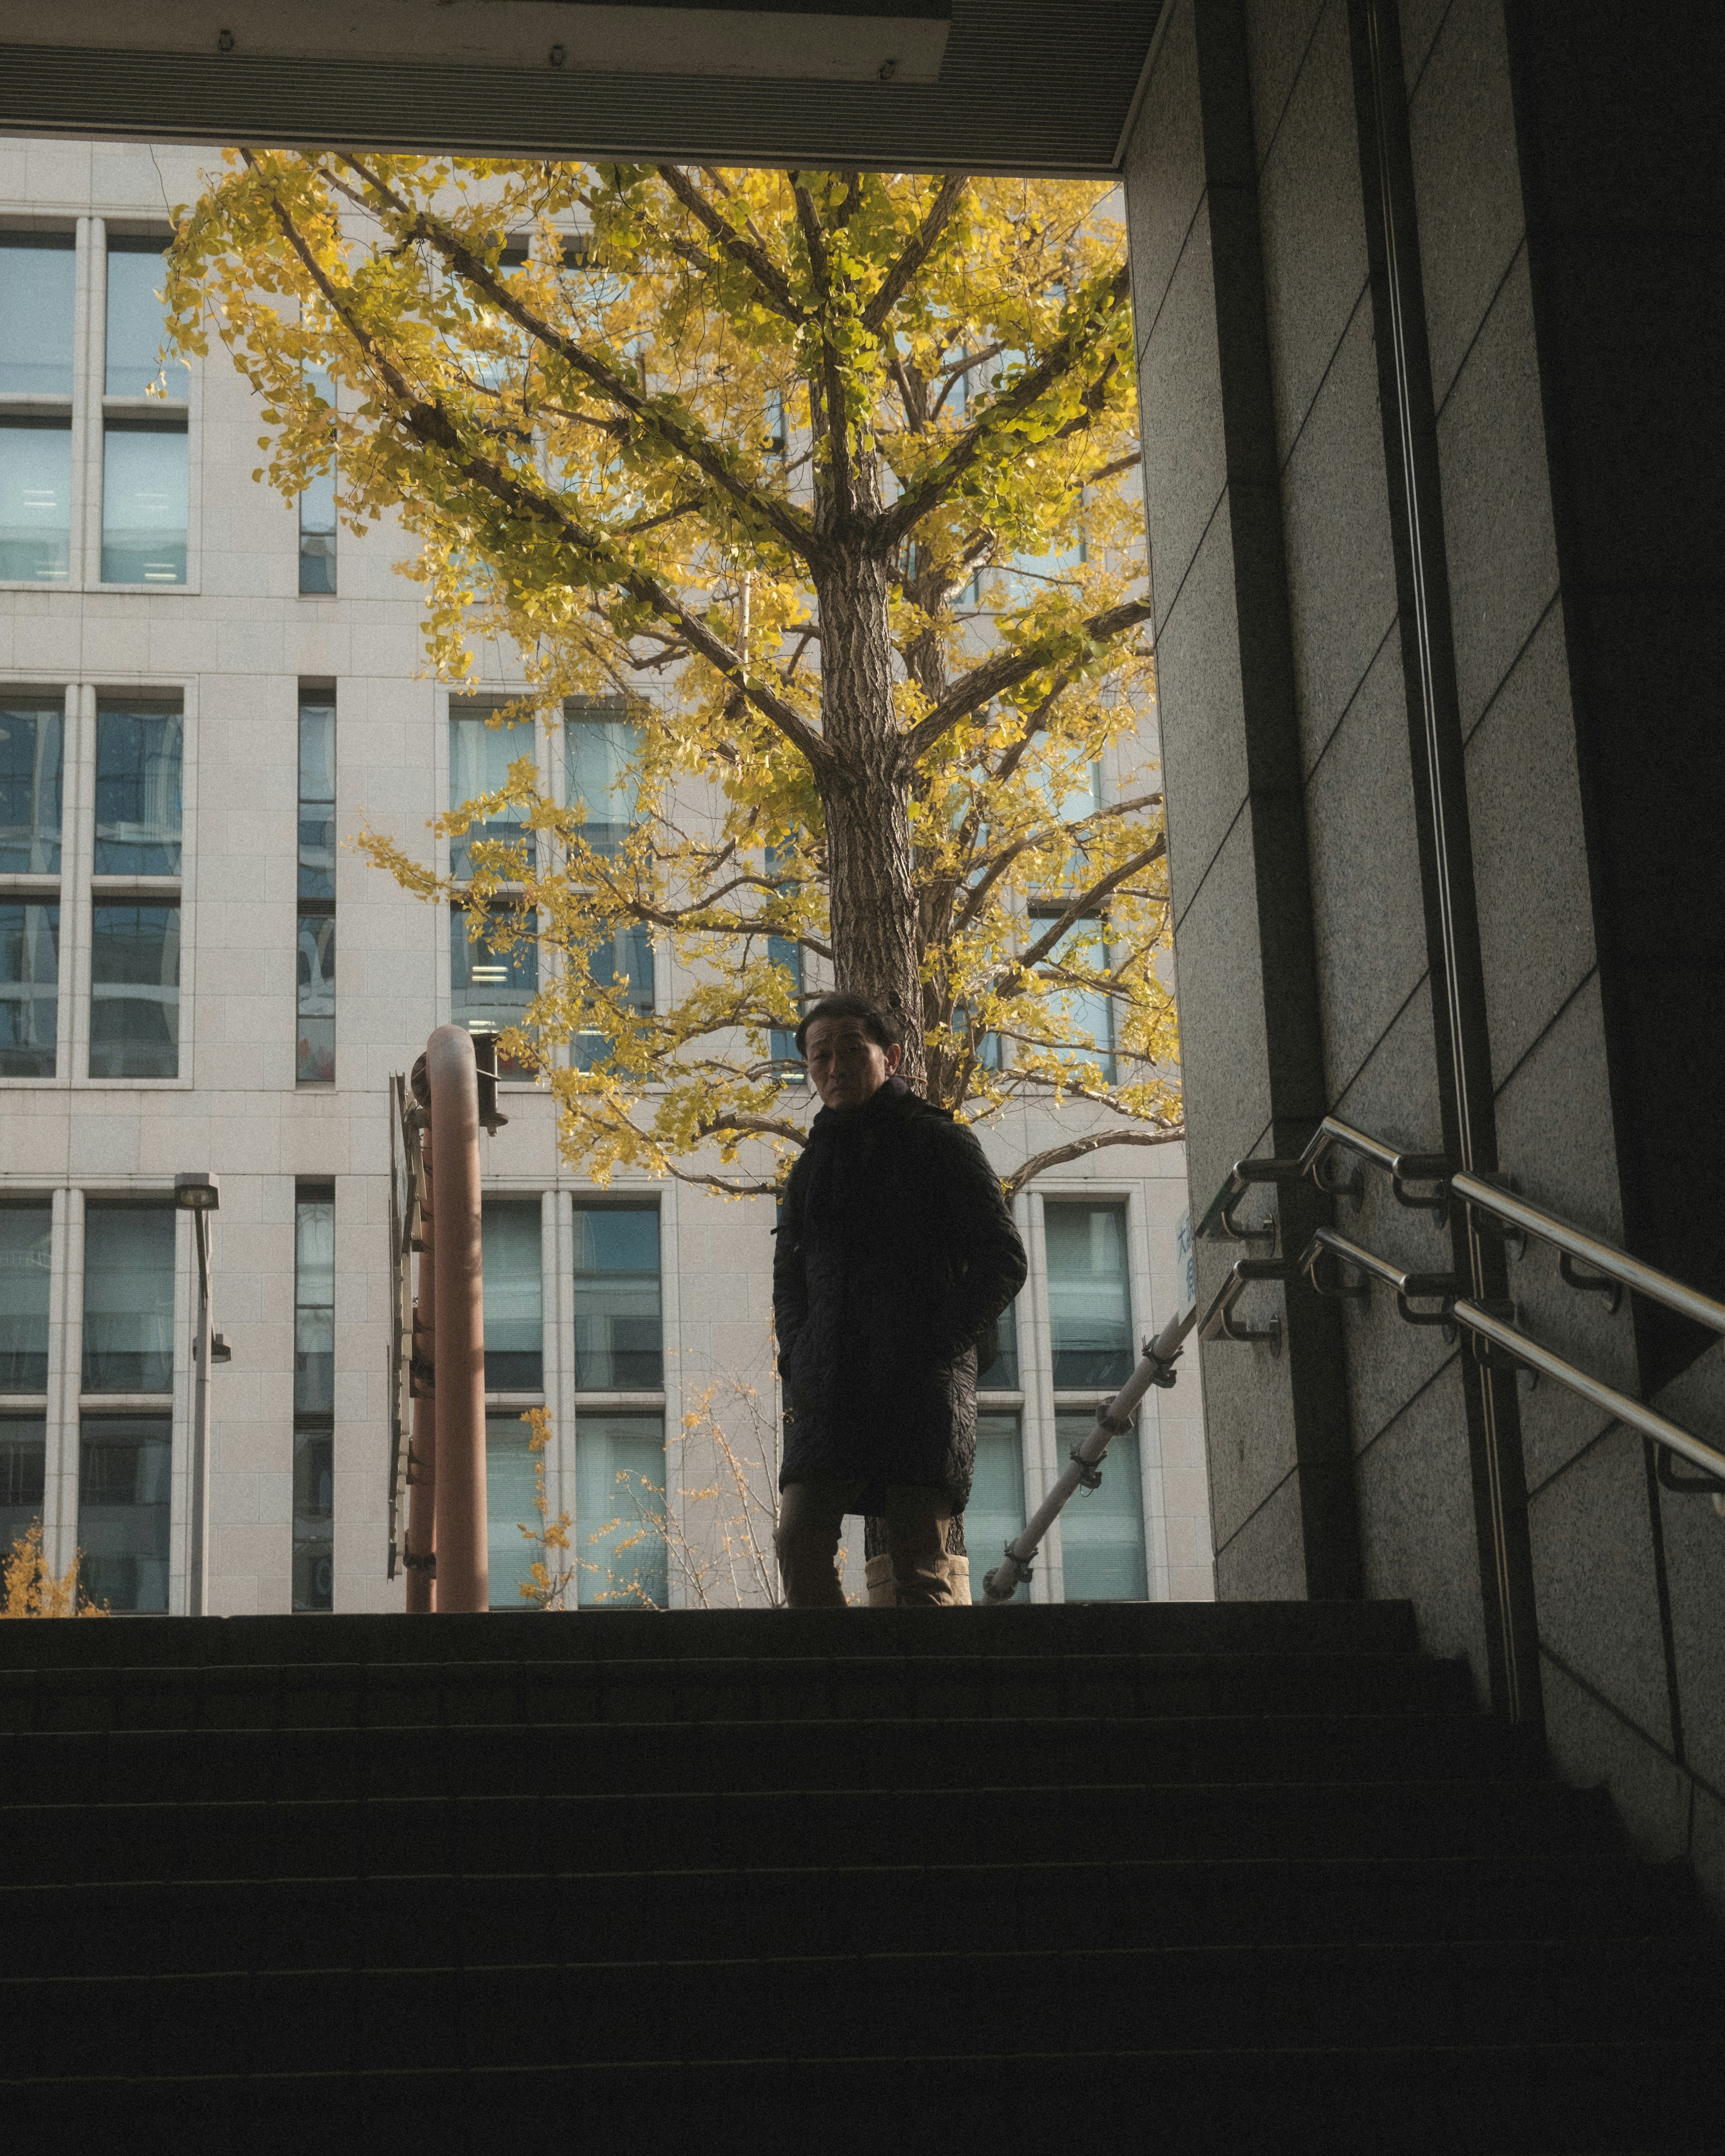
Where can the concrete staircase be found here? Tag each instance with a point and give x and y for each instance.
(1250, 1878)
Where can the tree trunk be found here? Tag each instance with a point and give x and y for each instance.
(866, 801)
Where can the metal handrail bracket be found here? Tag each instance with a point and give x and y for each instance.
(1219, 1224)
(1401, 1167)
(1424, 1287)
(1601, 1258)
(1217, 1323)
(1632, 1413)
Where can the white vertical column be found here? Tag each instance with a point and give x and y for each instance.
(185, 1068)
(1145, 1324)
(1036, 1351)
(670, 1307)
(559, 1370)
(78, 854)
(181, 1587)
(65, 1363)
(93, 232)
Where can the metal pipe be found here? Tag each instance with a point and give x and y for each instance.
(1619, 1405)
(1155, 1367)
(198, 1597)
(420, 1544)
(463, 1563)
(1603, 1257)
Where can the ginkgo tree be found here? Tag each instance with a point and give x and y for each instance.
(826, 480)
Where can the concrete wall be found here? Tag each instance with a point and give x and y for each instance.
(1309, 944)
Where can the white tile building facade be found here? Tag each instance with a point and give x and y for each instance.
(88, 1160)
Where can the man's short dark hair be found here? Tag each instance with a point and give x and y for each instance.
(882, 1027)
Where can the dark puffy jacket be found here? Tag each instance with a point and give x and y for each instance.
(895, 1254)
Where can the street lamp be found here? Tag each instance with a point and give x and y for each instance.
(197, 1192)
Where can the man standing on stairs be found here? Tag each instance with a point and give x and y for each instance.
(895, 1255)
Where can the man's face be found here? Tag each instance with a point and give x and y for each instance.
(847, 1066)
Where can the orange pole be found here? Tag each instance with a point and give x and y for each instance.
(422, 1459)
(462, 1558)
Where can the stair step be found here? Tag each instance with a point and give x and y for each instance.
(676, 1912)
(1296, 1628)
(706, 1688)
(1504, 2099)
(1608, 1990)
(286, 1838)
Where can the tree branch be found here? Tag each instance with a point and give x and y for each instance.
(1004, 671)
(896, 282)
(750, 255)
(1077, 1148)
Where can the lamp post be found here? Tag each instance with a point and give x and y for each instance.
(197, 1192)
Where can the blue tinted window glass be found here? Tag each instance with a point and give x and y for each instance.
(32, 756)
(128, 1299)
(315, 1305)
(996, 1511)
(602, 756)
(619, 1340)
(1088, 1308)
(38, 283)
(30, 989)
(1003, 1372)
(25, 1251)
(625, 961)
(619, 1511)
(493, 977)
(317, 512)
(144, 502)
(24, 1459)
(139, 755)
(135, 992)
(515, 1337)
(1088, 1013)
(314, 1052)
(479, 758)
(35, 500)
(314, 1520)
(1102, 1530)
(317, 800)
(137, 322)
(125, 1472)
(510, 1469)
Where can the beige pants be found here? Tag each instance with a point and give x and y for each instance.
(810, 1517)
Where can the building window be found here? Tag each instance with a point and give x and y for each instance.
(128, 1299)
(314, 1396)
(481, 754)
(25, 1259)
(1087, 1012)
(1001, 1375)
(1089, 1306)
(23, 1463)
(1102, 1530)
(515, 1336)
(784, 951)
(510, 1467)
(134, 935)
(317, 512)
(623, 961)
(38, 293)
(996, 1511)
(125, 1463)
(145, 503)
(35, 498)
(137, 322)
(30, 988)
(602, 765)
(494, 974)
(620, 1339)
(135, 992)
(619, 1501)
(314, 1055)
(32, 772)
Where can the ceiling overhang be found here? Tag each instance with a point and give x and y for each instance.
(1000, 85)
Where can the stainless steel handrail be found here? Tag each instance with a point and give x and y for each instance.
(1217, 1323)
(1604, 1258)
(1424, 1286)
(1619, 1405)
(1402, 1168)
